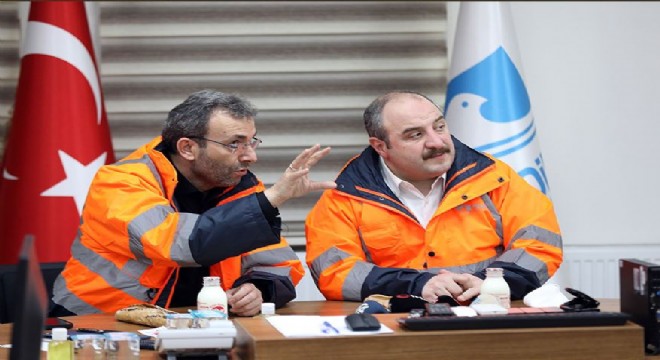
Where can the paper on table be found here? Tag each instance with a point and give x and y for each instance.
(153, 332)
(311, 325)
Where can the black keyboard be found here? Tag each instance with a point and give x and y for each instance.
(563, 319)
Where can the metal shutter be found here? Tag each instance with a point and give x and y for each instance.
(310, 67)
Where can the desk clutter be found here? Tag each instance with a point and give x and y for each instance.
(580, 311)
(308, 326)
(490, 313)
(196, 334)
(258, 339)
(209, 334)
(87, 343)
(199, 332)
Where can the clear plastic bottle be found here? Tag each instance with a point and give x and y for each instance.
(59, 347)
(496, 286)
(212, 296)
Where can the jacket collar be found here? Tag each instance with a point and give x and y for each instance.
(363, 172)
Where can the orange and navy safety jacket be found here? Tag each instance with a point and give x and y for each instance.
(362, 240)
(132, 240)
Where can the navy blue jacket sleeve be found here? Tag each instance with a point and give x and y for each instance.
(232, 229)
(394, 281)
(274, 288)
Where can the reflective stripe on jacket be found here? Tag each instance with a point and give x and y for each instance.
(132, 240)
(362, 240)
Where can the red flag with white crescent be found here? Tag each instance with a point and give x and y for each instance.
(58, 136)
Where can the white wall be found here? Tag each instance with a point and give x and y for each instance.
(593, 75)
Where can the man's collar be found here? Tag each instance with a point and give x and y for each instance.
(184, 185)
(394, 182)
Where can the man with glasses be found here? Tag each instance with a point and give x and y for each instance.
(182, 207)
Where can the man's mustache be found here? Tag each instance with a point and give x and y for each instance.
(436, 152)
(242, 166)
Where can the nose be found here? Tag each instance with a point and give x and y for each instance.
(248, 155)
(434, 140)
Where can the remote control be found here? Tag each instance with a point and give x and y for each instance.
(438, 309)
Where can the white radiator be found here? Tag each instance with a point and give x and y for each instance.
(594, 270)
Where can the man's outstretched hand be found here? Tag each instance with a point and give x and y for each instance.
(295, 181)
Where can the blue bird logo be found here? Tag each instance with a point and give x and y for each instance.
(489, 105)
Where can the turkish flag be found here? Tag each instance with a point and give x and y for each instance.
(58, 136)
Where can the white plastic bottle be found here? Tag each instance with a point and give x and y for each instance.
(60, 348)
(212, 296)
(496, 286)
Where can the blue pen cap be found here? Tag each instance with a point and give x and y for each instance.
(202, 318)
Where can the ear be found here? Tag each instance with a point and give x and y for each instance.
(379, 145)
(187, 148)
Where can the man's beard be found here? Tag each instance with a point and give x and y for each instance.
(217, 175)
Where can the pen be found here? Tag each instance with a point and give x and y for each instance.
(93, 331)
(327, 328)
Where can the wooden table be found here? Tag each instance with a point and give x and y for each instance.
(257, 339)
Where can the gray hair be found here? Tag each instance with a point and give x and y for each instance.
(191, 117)
(373, 114)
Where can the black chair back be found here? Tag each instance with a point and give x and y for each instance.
(8, 287)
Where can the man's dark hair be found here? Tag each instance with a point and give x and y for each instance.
(191, 117)
(373, 114)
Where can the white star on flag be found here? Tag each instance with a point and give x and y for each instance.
(78, 178)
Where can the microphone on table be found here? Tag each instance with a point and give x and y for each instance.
(371, 307)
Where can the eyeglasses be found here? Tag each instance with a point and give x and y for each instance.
(253, 144)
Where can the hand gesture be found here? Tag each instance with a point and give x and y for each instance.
(295, 181)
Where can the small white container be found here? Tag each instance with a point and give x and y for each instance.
(496, 286)
(212, 296)
(60, 348)
(267, 309)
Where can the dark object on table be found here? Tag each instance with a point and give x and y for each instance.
(446, 299)
(640, 297)
(371, 307)
(362, 322)
(403, 303)
(439, 309)
(32, 305)
(581, 302)
(53, 322)
(537, 320)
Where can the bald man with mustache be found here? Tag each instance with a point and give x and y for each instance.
(420, 213)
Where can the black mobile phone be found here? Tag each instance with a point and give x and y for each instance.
(446, 299)
(53, 322)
